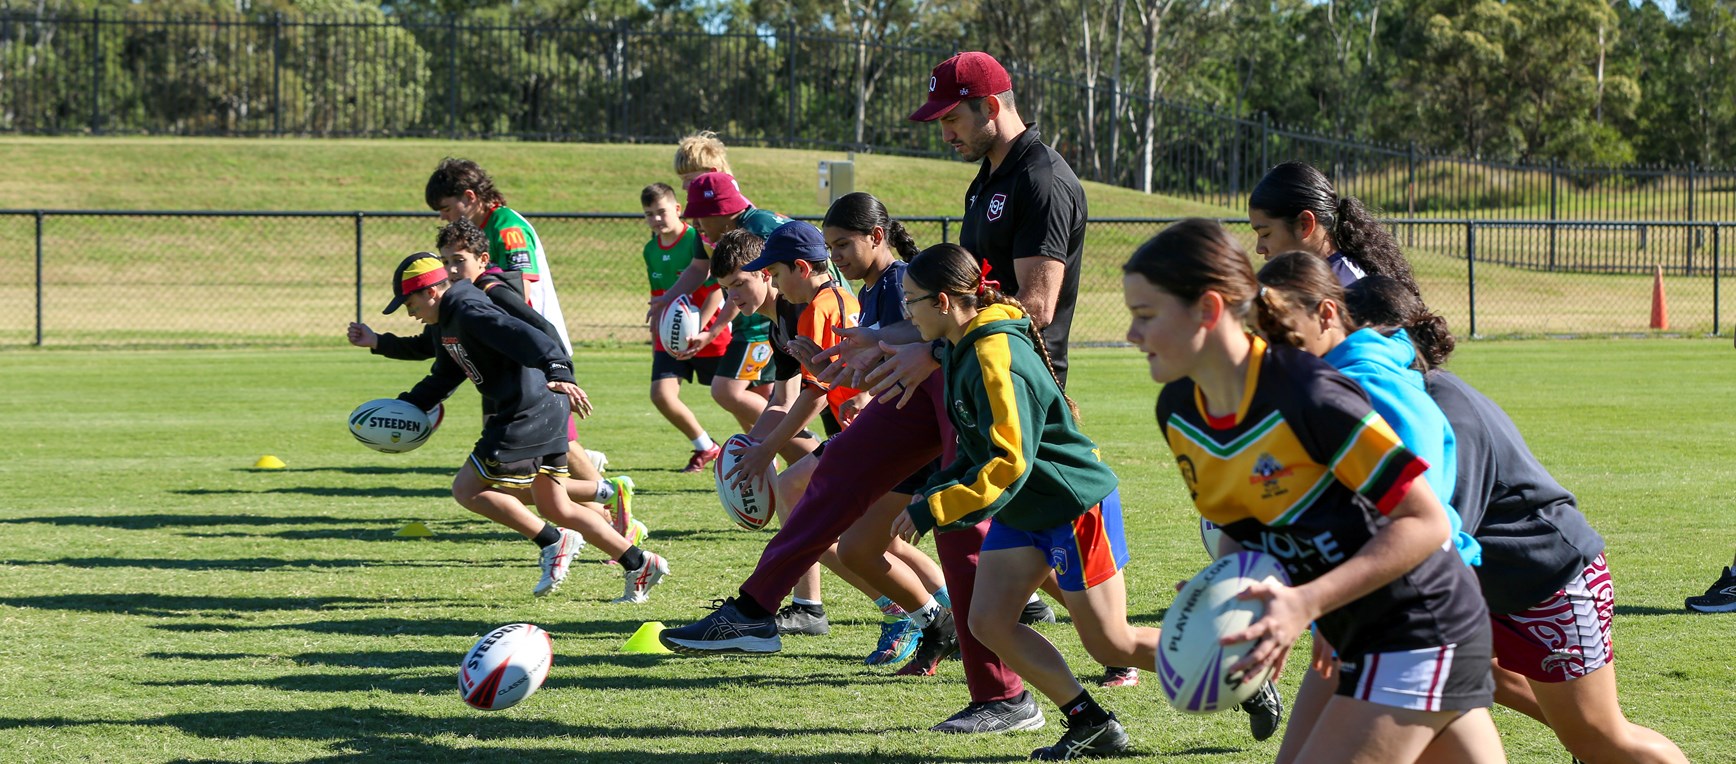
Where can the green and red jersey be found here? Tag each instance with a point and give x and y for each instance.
(663, 267)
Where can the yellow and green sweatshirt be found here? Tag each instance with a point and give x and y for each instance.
(1021, 457)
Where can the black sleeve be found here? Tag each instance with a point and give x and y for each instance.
(514, 305)
(521, 342)
(418, 348)
(1046, 219)
(445, 376)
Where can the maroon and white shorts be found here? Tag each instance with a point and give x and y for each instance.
(1565, 636)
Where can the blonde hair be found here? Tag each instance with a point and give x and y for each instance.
(700, 152)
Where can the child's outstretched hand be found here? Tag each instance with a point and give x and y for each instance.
(581, 404)
(363, 337)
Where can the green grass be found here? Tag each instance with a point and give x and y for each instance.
(162, 602)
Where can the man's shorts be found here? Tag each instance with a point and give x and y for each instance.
(1448, 678)
(746, 359)
(665, 366)
(1084, 553)
(1565, 636)
(518, 474)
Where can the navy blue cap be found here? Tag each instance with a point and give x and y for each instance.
(792, 241)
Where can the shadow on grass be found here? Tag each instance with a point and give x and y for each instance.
(1650, 610)
(385, 533)
(325, 491)
(146, 522)
(169, 605)
(377, 735)
(248, 564)
(665, 534)
(361, 470)
(421, 627)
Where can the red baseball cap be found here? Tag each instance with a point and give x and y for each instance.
(713, 194)
(967, 75)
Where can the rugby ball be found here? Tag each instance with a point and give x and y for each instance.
(1192, 667)
(1209, 535)
(752, 504)
(393, 426)
(678, 325)
(504, 667)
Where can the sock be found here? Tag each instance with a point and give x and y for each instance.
(704, 442)
(1084, 710)
(890, 610)
(943, 597)
(750, 607)
(925, 615)
(809, 604)
(1033, 600)
(605, 491)
(548, 536)
(632, 559)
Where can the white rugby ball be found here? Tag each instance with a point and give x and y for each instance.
(752, 504)
(1209, 535)
(393, 426)
(1192, 667)
(506, 666)
(678, 325)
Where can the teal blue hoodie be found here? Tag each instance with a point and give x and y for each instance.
(1382, 365)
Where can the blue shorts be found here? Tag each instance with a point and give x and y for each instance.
(1084, 553)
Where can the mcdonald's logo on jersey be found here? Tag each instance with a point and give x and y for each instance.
(513, 238)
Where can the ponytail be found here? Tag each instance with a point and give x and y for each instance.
(862, 213)
(1292, 188)
(1367, 243)
(1383, 302)
(900, 240)
(1293, 286)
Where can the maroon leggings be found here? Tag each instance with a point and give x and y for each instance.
(882, 447)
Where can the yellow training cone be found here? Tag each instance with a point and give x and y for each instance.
(645, 640)
(414, 531)
(268, 462)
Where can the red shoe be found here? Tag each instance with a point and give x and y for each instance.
(1120, 676)
(696, 464)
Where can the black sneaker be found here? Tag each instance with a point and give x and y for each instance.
(802, 619)
(1720, 598)
(1010, 715)
(1037, 612)
(1078, 742)
(726, 630)
(939, 640)
(1265, 711)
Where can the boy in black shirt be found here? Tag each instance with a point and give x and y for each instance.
(526, 381)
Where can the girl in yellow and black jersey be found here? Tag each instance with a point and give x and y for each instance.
(1289, 457)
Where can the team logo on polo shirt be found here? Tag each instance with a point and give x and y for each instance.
(997, 205)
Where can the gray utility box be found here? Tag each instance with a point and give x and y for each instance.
(837, 178)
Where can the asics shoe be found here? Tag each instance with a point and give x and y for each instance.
(1010, 715)
(802, 619)
(1037, 612)
(939, 640)
(1720, 598)
(726, 630)
(898, 641)
(1265, 711)
(641, 579)
(1082, 740)
(696, 463)
(556, 559)
(621, 507)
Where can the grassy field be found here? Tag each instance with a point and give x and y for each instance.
(163, 602)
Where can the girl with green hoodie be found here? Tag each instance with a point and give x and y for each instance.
(1023, 462)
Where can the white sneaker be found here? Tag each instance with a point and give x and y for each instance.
(599, 460)
(640, 581)
(556, 558)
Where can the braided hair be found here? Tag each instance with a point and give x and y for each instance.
(1382, 302)
(1294, 187)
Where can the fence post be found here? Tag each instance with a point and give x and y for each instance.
(1553, 229)
(946, 229)
(277, 74)
(1693, 233)
(451, 109)
(1411, 195)
(359, 267)
(39, 278)
(790, 44)
(1471, 270)
(95, 71)
(1717, 316)
(1265, 135)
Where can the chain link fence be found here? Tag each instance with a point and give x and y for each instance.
(133, 278)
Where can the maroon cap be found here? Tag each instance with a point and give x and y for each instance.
(713, 194)
(967, 75)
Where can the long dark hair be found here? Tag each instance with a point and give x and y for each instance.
(1292, 281)
(1194, 256)
(951, 270)
(1382, 302)
(862, 213)
(454, 176)
(1293, 187)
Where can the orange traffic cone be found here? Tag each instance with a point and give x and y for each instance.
(1660, 312)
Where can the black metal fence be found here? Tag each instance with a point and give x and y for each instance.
(79, 278)
(548, 79)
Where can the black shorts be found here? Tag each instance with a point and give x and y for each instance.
(830, 423)
(665, 366)
(521, 473)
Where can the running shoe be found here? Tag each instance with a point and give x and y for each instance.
(1082, 740)
(641, 579)
(696, 463)
(726, 630)
(1010, 715)
(621, 507)
(1119, 676)
(556, 559)
(1035, 612)
(802, 619)
(1265, 711)
(939, 640)
(599, 460)
(898, 641)
(1720, 598)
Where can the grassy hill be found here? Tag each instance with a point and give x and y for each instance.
(299, 174)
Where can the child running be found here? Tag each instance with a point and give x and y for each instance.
(1023, 462)
(1544, 576)
(1336, 500)
(527, 381)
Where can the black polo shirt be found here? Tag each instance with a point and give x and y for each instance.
(1033, 206)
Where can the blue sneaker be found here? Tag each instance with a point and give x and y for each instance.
(726, 630)
(898, 641)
